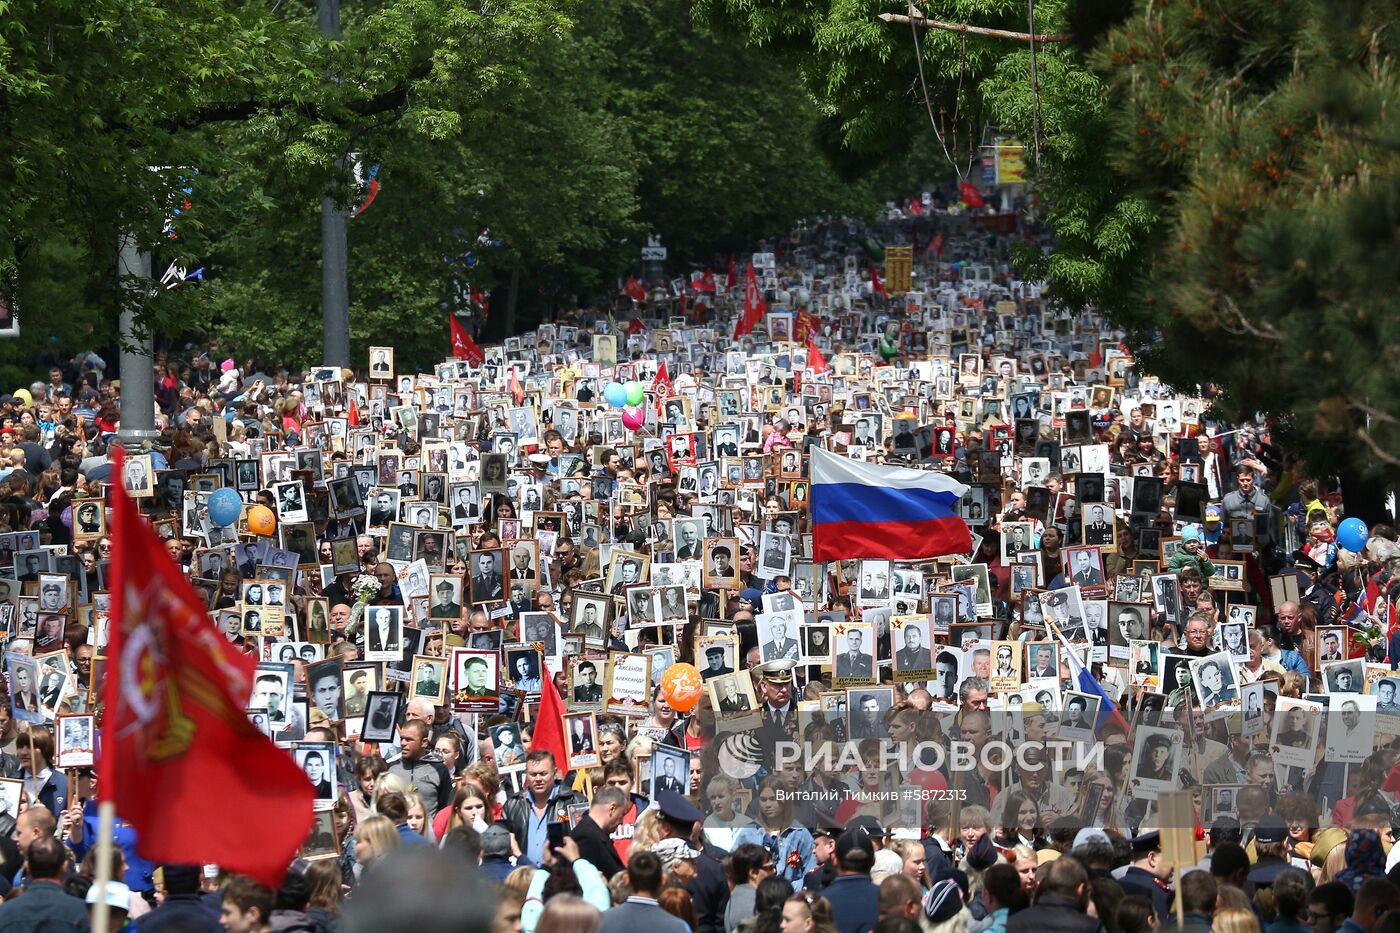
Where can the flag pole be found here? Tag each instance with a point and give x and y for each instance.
(106, 817)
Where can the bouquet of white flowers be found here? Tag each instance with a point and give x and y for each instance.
(365, 588)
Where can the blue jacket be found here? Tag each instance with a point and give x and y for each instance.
(855, 903)
(140, 874)
(792, 850)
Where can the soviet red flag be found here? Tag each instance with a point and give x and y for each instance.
(970, 195)
(180, 759)
(463, 346)
(754, 308)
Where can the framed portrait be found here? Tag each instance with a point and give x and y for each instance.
(1156, 757)
(670, 770)
(1080, 718)
(627, 691)
(585, 688)
(381, 364)
(325, 685)
(1293, 742)
(732, 697)
(75, 743)
(445, 597)
(721, 563)
(589, 616)
(1216, 685)
(381, 717)
(317, 762)
(581, 742)
(487, 576)
(911, 648)
(429, 680)
(476, 683)
(321, 841)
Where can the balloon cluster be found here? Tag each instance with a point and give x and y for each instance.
(629, 398)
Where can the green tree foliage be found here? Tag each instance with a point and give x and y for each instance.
(560, 132)
(1220, 176)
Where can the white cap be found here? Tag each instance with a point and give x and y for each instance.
(118, 895)
(1089, 834)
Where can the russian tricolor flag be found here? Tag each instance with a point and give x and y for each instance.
(1085, 682)
(895, 513)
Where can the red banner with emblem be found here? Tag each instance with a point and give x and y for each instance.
(180, 759)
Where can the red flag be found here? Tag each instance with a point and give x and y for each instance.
(634, 289)
(936, 244)
(661, 386)
(706, 282)
(179, 754)
(549, 726)
(916, 207)
(875, 284)
(516, 391)
(754, 308)
(636, 327)
(732, 278)
(463, 346)
(816, 363)
(354, 416)
(970, 195)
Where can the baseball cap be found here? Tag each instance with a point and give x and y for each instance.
(852, 840)
(1213, 514)
(117, 895)
(495, 841)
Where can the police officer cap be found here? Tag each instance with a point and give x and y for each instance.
(1271, 829)
(777, 672)
(675, 807)
(1146, 842)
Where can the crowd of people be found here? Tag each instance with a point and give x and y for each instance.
(1156, 603)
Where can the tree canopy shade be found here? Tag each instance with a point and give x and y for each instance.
(1221, 177)
(566, 130)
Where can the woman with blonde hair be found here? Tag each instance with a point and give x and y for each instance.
(801, 915)
(375, 838)
(418, 815)
(1234, 920)
(568, 913)
(913, 864)
(647, 832)
(518, 881)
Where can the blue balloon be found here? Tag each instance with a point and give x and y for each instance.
(1353, 534)
(225, 505)
(616, 394)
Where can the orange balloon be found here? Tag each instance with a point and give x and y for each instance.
(682, 685)
(261, 521)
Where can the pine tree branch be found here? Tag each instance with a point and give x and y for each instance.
(1262, 331)
(1372, 412)
(1376, 451)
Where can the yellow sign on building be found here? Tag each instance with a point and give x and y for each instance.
(1011, 162)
